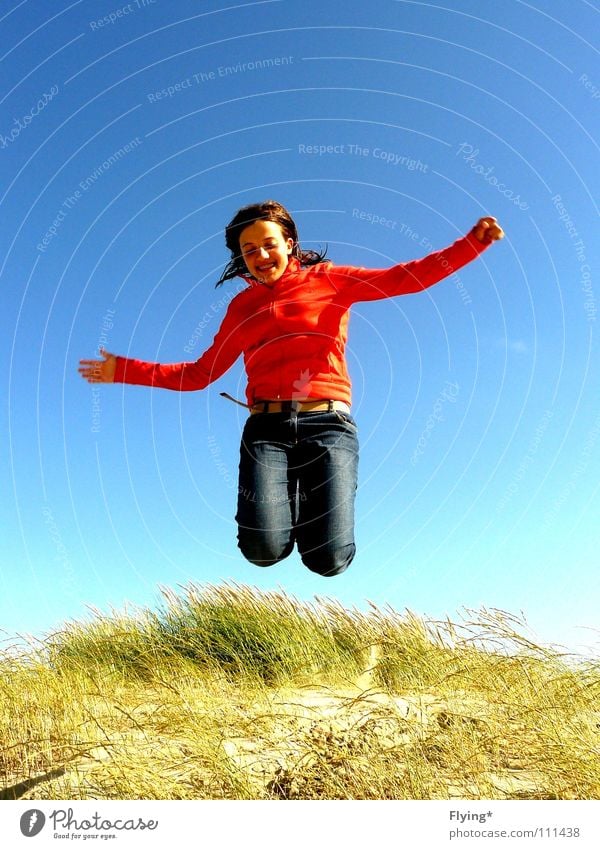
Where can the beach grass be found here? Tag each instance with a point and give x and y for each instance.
(225, 692)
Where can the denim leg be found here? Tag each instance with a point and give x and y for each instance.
(327, 452)
(266, 492)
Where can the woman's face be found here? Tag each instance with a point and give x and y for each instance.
(265, 250)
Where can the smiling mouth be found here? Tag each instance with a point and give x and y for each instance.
(263, 268)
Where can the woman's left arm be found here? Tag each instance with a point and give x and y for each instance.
(371, 284)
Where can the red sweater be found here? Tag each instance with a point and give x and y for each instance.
(293, 335)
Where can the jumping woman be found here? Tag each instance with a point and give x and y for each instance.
(299, 448)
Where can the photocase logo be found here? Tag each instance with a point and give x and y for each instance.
(32, 822)
(302, 386)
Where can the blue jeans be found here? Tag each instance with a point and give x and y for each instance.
(297, 484)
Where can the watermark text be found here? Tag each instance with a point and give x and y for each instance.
(588, 85)
(23, 122)
(118, 14)
(202, 77)
(71, 201)
(469, 155)
(448, 394)
(526, 462)
(585, 269)
(390, 157)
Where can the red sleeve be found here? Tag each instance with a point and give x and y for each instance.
(214, 362)
(371, 284)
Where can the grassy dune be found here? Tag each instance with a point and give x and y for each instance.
(226, 692)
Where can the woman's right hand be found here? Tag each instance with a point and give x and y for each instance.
(99, 371)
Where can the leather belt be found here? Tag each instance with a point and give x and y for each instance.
(299, 407)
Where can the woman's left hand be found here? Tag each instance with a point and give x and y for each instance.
(487, 230)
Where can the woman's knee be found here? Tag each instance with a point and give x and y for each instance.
(263, 549)
(329, 560)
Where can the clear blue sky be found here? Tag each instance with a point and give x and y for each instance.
(130, 133)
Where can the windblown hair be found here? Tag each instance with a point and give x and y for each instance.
(268, 210)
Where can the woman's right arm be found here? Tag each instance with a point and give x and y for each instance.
(186, 376)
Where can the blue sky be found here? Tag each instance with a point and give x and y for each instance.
(130, 134)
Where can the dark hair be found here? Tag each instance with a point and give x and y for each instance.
(268, 210)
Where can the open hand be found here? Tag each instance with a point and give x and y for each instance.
(99, 371)
(487, 230)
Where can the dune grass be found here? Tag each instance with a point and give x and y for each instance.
(227, 692)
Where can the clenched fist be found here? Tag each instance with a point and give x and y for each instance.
(487, 230)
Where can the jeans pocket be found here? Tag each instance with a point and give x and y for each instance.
(346, 419)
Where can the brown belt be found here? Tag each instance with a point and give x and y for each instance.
(299, 406)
